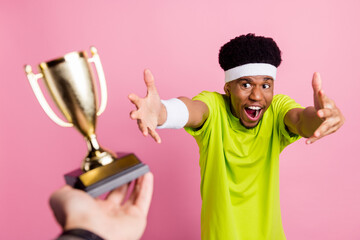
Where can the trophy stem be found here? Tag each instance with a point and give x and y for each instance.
(92, 143)
(97, 156)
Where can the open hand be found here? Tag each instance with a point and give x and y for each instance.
(109, 218)
(148, 113)
(326, 110)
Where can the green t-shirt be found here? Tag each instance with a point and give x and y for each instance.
(240, 170)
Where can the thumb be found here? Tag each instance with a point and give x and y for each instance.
(316, 82)
(149, 82)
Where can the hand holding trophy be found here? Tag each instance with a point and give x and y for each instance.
(70, 81)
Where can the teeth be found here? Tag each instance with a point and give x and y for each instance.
(254, 108)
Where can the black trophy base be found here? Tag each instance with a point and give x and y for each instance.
(126, 168)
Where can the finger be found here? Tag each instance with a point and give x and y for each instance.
(135, 100)
(135, 191)
(324, 129)
(155, 135)
(316, 82)
(314, 139)
(117, 196)
(316, 136)
(326, 102)
(65, 193)
(150, 82)
(58, 203)
(311, 140)
(325, 113)
(134, 114)
(143, 128)
(58, 195)
(144, 190)
(60, 191)
(317, 85)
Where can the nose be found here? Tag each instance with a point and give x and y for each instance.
(255, 94)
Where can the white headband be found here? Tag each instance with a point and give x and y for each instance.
(250, 69)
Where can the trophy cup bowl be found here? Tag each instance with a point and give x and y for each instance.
(70, 82)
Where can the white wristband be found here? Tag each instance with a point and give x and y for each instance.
(177, 114)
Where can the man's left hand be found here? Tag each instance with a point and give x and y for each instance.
(326, 110)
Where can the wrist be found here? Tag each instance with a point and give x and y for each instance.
(162, 116)
(79, 233)
(81, 221)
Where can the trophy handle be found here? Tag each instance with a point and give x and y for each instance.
(99, 69)
(33, 79)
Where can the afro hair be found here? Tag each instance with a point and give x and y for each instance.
(249, 49)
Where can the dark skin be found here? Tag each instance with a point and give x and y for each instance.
(252, 91)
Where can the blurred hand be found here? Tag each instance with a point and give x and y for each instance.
(150, 110)
(326, 110)
(109, 218)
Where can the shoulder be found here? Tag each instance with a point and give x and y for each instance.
(278, 98)
(210, 98)
(208, 94)
(283, 102)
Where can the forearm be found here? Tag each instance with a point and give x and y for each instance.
(308, 122)
(198, 112)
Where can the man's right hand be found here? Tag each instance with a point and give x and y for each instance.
(150, 112)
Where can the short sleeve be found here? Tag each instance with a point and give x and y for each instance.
(282, 104)
(209, 99)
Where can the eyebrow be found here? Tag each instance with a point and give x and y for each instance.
(250, 80)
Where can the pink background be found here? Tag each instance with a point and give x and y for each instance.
(179, 42)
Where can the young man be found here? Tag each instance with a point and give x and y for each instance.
(240, 135)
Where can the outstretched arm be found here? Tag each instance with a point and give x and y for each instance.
(316, 121)
(150, 112)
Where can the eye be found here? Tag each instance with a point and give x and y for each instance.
(265, 86)
(246, 85)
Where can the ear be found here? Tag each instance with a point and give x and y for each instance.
(227, 89)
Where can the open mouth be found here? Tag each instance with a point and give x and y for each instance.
(253, 112)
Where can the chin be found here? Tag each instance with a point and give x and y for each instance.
(249, 126)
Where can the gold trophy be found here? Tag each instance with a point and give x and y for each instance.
(70, 81)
